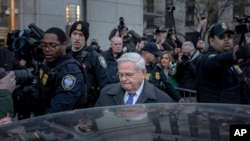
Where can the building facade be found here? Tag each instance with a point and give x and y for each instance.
(103, 15)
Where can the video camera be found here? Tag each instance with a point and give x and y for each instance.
(24, 43)
(244, 24)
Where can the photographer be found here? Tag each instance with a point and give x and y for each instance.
(218, 74)
(186, 66)
(161, 42)
(130, 37)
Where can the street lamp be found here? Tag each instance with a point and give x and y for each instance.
(72, 13)
(11, 12)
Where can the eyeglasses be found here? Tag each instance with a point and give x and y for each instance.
(126, 75)
(223, 36)
(51, 46)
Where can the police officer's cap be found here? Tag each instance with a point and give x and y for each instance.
(80, 26)
(152, 48)
(220, 29)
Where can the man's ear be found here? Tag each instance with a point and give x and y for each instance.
(144, 73)
(64, 44)
(211, 41)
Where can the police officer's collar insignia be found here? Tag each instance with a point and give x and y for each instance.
(223, 26)
(79, 27)
(68, 82)
(102, 62)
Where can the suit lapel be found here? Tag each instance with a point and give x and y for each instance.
(147, 93)
(118, 94)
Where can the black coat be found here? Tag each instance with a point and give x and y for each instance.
(217, 81)
(114, 95)
(112, 65)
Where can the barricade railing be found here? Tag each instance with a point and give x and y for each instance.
(188, 94)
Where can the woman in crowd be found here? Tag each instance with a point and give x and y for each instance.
(168, 64)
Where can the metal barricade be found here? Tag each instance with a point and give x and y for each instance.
(188, 94)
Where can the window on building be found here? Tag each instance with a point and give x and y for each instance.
(3, 16)
(149, 9)
(190, 12)
(150, 6)
(169, 13)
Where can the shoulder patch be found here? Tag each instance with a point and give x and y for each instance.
(211, 55)
(102, 61)
(68, 82)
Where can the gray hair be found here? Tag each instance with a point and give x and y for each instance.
(133, 57)
(188, 43)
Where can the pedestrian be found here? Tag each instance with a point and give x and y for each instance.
(62, 84)
(132, 88)
(111, 55)
(218, 71)
(93, 63)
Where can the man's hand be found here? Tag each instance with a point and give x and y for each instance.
(5, 120)
(8, 82)
(242, 52)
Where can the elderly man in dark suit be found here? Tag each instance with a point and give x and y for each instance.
(132, 88)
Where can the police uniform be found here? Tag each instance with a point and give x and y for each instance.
(155, 75)
(217, 78)
(112, 65)
(62, 86)
(217, 82)
(94, 65)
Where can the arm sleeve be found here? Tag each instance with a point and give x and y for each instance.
(6, 103)
(66, 98)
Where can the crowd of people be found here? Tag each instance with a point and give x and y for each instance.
(133, 70)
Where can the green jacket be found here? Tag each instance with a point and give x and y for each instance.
(6, 103)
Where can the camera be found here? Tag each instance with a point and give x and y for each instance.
(185, 57)
(25, 43)
(172, 65)
(22, 76)
(121, 24)
(244, 24)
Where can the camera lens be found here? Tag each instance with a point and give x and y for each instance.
(185, 57)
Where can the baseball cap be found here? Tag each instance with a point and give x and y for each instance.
(152, 48)
(220, 29)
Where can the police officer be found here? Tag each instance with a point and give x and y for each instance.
(218, 73)
(111, 55)
(62, 82)
(93, 63)
(155, 74)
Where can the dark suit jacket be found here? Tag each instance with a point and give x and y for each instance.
(114, 95)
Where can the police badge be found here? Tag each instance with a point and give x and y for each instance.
(157, 75)
(79, 27)
(223, 26)
(68, 82)
(102, 62)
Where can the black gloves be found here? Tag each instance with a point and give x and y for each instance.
(243, 52)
